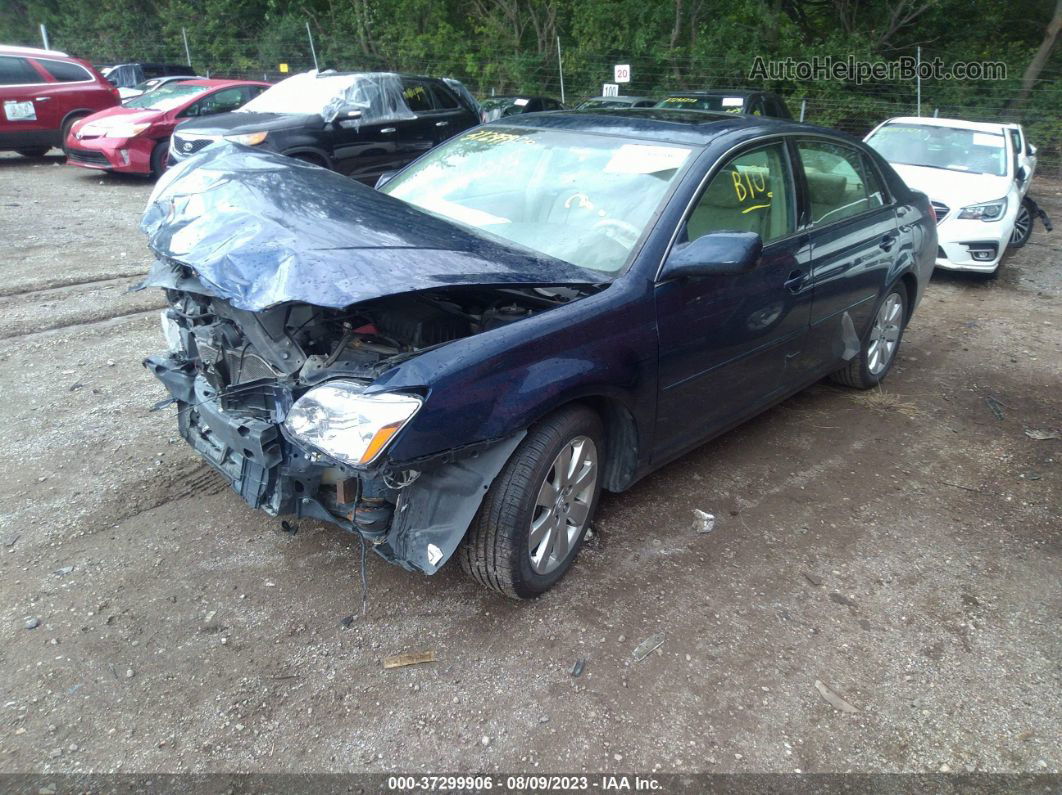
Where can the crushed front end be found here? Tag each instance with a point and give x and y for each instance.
(253, 389)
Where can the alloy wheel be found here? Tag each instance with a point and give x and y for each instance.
(562, 507)
(885, 335)
(1022, 224)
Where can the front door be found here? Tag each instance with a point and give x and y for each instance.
(725, 341)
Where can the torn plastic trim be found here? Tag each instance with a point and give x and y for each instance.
(431, 511)
(434, 513)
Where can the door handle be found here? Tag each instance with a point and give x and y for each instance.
(387, 130)
(41, 99)
(795, 281)
(887, 241)
(442, 124)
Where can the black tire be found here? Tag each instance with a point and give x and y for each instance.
(34, 151)
(66, 131)
(159, 156)
(857, 373)
(1023, 225)
(495, 551)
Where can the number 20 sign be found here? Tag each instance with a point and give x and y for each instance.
(621, 73)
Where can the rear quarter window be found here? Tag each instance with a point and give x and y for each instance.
(65, 72)
(17, 71)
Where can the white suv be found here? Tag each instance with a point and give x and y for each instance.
(976, 175)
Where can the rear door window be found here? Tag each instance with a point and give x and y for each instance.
(17, 72)
(752, 193)
(444, 100)
(841, 183)
(65, 72)
(417, 96)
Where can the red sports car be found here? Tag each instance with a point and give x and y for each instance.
(134, 137)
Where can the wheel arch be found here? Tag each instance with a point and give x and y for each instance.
(621, 436)
(308, 152)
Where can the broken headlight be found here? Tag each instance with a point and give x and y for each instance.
(171, 331)
(989, 211)
(340, 420)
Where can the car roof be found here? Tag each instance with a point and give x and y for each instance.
(11, 49)
(718, 92)
(212, 83)
(962, 124)
(626, 97)
(690, 127)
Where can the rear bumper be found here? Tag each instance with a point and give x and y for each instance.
(417, 526)
(129, 155)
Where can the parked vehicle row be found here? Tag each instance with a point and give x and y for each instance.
(526, 312)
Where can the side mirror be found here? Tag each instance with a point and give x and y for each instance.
(717, 254)
(383, 179)
(1030, 150)
(345, 113)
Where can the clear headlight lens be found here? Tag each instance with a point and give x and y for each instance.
(989, 211)
(341, 421)
(247, 139)
(126, 130)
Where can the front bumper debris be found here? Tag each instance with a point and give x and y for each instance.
(414, 513)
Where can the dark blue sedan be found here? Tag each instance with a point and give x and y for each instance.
(534, 311)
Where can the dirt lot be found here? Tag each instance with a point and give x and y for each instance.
(901, 547)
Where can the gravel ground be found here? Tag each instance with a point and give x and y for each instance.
(900, 547)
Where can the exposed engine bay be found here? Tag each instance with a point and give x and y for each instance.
(235, 375)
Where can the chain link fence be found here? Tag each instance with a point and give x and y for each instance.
(853, 108)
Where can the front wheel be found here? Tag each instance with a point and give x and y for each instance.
(534, 517)
(878, 351)
(1023, 225)
(159, 155)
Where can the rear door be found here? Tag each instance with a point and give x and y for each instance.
(29, 115)
(854, 243)
(448, 116)
(726, 341)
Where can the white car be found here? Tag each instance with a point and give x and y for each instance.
(975, 178)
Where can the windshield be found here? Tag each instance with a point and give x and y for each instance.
(377, 95)
(500, 107)
(951, 148)
(166, 97)
(584, 199)
(695, 102)
(590, 104)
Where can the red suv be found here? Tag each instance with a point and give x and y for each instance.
(42, 94)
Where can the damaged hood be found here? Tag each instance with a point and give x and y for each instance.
(260, 229)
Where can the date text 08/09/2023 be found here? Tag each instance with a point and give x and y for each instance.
(533, 783)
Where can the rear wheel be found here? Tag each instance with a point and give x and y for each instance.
(533, 520)
(878, 351)
(34, 151)
(1023, 225)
